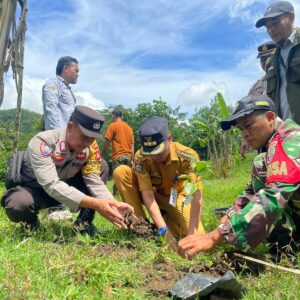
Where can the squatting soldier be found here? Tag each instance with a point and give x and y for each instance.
(154, 181)
(269, 206)
(59, 167)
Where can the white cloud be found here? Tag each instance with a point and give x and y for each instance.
(86, 98)
(32, 95)
(202, 92)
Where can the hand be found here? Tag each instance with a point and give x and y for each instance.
(172, 242)
(224, 219)
(191, 245)
(113, 211)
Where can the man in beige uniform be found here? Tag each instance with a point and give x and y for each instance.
(59, 166)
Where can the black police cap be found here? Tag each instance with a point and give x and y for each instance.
(154, 135)
(266, 49)
(247, 106)
(89, 121)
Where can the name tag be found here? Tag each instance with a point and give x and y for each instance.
(173, 197)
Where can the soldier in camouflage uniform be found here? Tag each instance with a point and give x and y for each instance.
(269, 207)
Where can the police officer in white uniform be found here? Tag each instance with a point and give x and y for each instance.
(62, 166)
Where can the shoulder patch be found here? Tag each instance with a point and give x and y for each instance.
(45, 149)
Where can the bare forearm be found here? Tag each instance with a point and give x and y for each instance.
(195, 212)
(153, 209)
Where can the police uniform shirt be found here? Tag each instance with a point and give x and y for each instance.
(49, 160)
(58, 103)
(165, 176)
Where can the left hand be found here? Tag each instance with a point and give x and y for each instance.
(191, 245)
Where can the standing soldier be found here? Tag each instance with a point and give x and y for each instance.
(269, 206)
(58, 168)
(121, 136)
(154, 182)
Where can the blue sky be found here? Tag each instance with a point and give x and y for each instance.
(133, 51)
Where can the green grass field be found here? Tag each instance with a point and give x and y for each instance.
(53, 264)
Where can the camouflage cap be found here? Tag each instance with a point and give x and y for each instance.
(274, 10)
(266, 49)
(154, 135)
(89, 121)
(247, 106)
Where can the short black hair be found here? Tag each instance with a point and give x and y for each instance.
(118, 113)
(64, 61)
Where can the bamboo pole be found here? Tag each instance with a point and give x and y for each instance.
(18, 67)
(294, 271)
(7, 14)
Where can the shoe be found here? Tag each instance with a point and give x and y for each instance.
(89, 229)
(59, 215)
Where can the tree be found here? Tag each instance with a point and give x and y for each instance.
(222, 146)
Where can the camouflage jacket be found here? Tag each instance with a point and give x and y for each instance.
(271, 199)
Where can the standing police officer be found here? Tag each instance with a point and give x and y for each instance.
(59, 167)
(265, 51)
(154, 181)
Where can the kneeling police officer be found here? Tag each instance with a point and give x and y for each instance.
(59, 166)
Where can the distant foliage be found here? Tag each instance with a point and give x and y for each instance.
(222, 146)
(202, 132)
(30, 125)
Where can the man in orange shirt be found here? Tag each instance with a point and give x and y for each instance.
(120, 134)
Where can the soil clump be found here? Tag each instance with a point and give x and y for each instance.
(139, 227)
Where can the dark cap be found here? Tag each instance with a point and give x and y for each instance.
(247, 106)
(154, 135)
(89, 121)
(274, 10)
(266, 49)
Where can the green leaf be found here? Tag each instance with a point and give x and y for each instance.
(202, 142)
(201, 125)
(190, 188)
(200, 166)
(224, 111)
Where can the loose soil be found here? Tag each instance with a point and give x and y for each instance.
(139, 227)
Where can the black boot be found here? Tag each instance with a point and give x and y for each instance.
(84, 223)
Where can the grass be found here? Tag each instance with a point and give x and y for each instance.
(53, 264)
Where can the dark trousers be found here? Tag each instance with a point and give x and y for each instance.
(22, 203)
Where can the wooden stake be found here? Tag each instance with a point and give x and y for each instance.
(267, 263)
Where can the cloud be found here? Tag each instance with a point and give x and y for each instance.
(32, 95)
(86, 98)
(202, 92)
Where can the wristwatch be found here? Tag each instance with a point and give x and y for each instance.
(162, 230)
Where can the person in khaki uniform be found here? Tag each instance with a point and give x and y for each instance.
(63, 166)
(154, 181)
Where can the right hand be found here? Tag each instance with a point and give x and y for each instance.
(113, 211)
